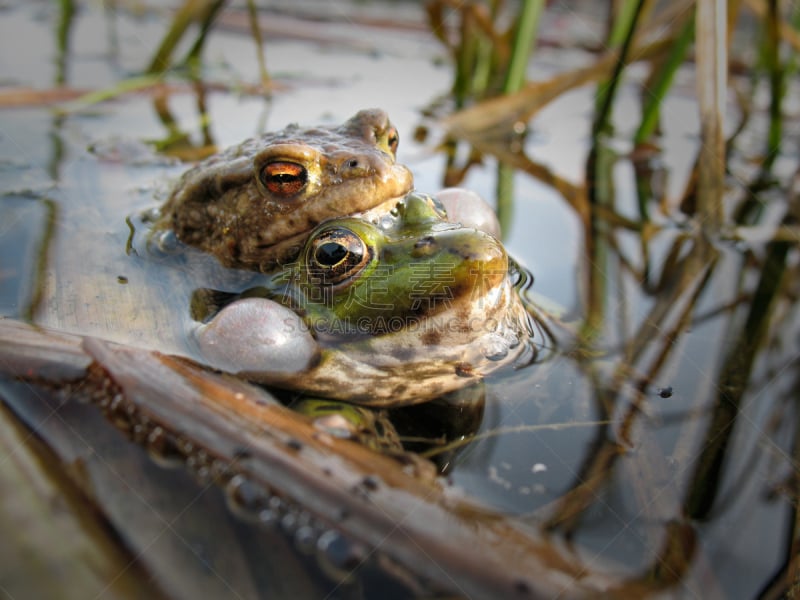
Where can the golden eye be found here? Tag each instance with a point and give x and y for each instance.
(392, 140)
(337, 254)
(283, 178)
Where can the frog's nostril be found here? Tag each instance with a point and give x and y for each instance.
(425, 242)
(425, 246)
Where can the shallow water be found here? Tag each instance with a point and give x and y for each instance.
(604, 442)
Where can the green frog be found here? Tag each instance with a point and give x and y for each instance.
(386, 309)
(252, 205)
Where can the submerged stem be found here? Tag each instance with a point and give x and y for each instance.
(733, 381)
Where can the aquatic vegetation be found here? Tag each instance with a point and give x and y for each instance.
(666, 410)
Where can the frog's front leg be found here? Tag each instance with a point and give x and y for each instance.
(258, 339)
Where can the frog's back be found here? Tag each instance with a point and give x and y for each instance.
(239, 204)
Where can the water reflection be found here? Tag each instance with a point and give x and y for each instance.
(25, 241)
(671, 343)
(666, 412)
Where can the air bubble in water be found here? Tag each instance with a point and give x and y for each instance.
(495, 348)
(338, 556)
(305, 539)
(163, 448)
(386, 222)
(246, 498)
(268, 517)
(167, 241)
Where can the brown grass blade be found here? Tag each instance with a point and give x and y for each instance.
(712, 74)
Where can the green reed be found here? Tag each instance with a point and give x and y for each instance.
(776, 74)
(202, 12)
(659, 84)
(524, 42)
(668, 37)
(621, 36)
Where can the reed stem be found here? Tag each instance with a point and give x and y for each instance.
(712, 75)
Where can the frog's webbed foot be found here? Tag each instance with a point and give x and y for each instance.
(258, 339)
(364, 425)
(368, 426)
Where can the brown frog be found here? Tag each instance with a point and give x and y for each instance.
(252, 205)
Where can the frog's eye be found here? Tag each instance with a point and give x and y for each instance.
(392, 140)
(283, 178)
(338, 254)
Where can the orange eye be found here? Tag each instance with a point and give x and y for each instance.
(392, 140)
(283, 178)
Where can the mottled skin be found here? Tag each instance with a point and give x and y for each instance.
(251, 205)
(385, 313)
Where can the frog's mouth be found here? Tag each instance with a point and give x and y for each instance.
(379, 210)
(427, 358)
(481, 276)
